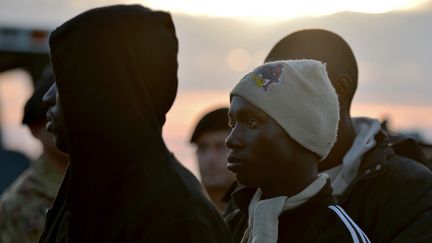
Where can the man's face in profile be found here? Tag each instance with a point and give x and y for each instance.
(55, 121)
(212, 154)
(261, 152)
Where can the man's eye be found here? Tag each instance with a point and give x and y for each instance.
(252, 123)
(231, 123)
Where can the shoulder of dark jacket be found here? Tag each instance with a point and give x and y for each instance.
(384, 159)
(408, 147)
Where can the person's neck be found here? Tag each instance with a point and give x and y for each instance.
(58, 161)
(216, 195)
(345, 139)
(295, 186)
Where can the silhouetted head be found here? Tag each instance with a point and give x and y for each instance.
(115, 69)
(327, 47)
(35, 115)
(54, 121)
(34, 109)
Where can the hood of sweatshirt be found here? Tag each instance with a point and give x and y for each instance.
(116, 73)
(344, 174)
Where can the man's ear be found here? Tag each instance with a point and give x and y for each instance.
(344, 86)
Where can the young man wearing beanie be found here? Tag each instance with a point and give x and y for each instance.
(388, 195)
(116, 75)
(284, 118)
(209, 137)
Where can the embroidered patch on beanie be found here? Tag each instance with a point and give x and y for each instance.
(299, 96)
(268, 75)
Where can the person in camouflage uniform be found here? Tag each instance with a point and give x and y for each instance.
(24, 204)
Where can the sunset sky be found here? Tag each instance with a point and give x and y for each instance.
(221, 40)
(278, 10)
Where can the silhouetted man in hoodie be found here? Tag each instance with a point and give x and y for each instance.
(116, 74)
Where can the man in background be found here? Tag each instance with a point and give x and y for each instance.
(388, 195)
(209, 138)
(27, 49)
(23, 206)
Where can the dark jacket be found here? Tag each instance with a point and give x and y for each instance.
(317, 220)
(391, 198)
(116, 73)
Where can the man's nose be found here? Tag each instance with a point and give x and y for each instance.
(234, 141)
(49, 98)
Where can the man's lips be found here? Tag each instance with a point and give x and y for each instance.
(234, 163)
(49, 123)
(48, 126)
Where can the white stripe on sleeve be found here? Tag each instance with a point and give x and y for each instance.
(347, 224)
(363, 235)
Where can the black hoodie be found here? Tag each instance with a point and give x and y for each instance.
(116, 73)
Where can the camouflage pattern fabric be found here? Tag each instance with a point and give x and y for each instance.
(24, 204)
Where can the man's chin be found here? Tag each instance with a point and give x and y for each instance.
(216, 185)
(245, 181)
(62, 146)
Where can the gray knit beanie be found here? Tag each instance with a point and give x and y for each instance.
(298, 95)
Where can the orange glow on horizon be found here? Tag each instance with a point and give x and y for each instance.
(188, 108)
(278, 9)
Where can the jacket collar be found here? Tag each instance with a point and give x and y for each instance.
(243, 195)
(373, 163)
